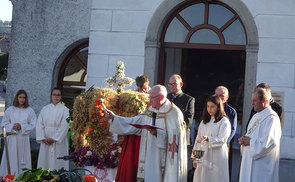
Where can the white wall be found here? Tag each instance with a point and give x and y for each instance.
(275, 21)
(117, 32)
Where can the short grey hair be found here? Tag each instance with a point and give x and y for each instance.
(160, 89)
(223, 88)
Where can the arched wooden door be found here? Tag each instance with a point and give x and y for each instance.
(72, 73)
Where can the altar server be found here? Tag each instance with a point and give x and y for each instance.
(51, 133)
(21, 118)
(213, 134)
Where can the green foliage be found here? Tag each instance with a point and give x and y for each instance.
(5, 23)
(61, 175)
(3, 60)
(31, 175)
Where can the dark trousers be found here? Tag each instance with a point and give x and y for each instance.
(190, 169)
(230, 155)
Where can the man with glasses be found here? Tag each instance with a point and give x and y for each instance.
(186, 104)
(163, 153)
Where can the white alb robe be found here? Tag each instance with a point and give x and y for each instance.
(157, 162)
(214, 165)
(260, 160)
(52, 123)
(18, 145)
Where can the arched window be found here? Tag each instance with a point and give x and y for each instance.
(72, 73)
(204, 25)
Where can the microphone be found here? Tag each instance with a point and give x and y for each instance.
(154, 116)
(67, 158)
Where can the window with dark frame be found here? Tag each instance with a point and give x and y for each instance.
(72, 73)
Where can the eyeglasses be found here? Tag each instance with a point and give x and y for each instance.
(172, 84)
(153, 97)
(55, 95)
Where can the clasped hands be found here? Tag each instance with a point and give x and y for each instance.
(17, 126)
(48, 141)
(244, 140)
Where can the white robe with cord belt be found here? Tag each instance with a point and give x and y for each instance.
(260, 160)
(18, 145)
(214, 165)
(52, 123)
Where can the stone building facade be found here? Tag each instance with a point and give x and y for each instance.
(44, 32)
(131, 31)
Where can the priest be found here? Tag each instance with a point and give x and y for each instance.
(163, 153)
(260, 146)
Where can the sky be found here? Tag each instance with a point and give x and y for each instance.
(5, 10)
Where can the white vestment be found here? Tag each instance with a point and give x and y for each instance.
(214, 163)
(18, 145)
(52, 123)
(260, 160)
(162, 157)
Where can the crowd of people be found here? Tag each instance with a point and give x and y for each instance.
(166, 154)
(164, 151)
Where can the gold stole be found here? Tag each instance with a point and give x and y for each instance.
(257, 123)
(142, 154)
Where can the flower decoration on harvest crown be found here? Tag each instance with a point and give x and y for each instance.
(96, 116)
(90, 127)
(119, 81)
(93, 141)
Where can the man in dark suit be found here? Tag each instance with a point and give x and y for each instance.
(186, 104)
(274, 105)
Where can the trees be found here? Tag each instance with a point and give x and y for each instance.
(5, 23)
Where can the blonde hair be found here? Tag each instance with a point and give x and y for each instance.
(178, 77)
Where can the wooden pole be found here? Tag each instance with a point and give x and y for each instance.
(6, 150)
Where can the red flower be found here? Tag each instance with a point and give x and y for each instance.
(89, 132)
